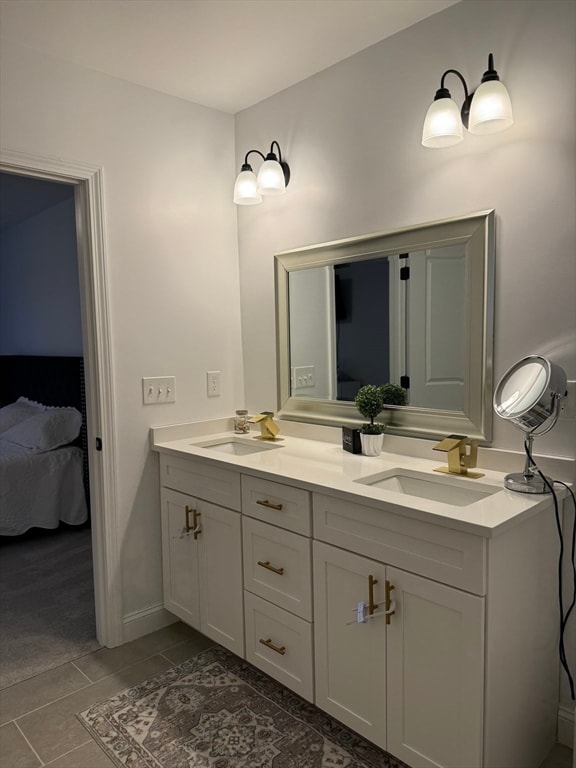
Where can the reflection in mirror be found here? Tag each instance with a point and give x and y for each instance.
(412, 307)
(378, 321)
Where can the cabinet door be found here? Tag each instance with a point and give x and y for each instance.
(350, 657)
(435, 651)
(179, 558)
(220, 557)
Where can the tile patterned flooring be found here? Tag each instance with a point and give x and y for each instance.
(38, 726)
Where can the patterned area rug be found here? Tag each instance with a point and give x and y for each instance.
(216, 711)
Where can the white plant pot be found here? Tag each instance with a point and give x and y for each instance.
(371, 444)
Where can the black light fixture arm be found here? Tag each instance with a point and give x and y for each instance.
(270, 156)
(285, 167)
(490, 73)
(444, 93)
(246, 165)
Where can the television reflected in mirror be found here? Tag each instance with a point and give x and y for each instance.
(413, 307)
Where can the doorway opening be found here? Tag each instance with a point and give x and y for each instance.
(92, 274)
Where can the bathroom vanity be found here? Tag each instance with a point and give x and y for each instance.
(417, 608)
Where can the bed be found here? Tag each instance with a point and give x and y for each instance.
(43, 445)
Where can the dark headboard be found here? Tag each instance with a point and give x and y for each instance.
(48, 380)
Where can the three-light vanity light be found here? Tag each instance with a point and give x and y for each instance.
(486, 110)
(272, 179)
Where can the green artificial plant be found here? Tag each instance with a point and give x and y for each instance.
(369, 404)
(392, 394)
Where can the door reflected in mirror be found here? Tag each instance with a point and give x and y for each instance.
(413, 307)
(397, 318)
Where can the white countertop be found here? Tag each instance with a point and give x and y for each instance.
(325, 467)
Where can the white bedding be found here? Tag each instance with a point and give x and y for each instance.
(40, 489)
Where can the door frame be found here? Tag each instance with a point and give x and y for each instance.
(94, 300)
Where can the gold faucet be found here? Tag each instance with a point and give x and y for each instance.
(460, 460)
(268, 428)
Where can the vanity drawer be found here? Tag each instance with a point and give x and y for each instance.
(204, 481)
(276, 503)
(277, 566)
(280, 644)
(445, 555)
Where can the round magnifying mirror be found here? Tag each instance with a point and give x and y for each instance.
(529, 395)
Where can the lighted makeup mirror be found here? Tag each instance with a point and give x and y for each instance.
(530, 395)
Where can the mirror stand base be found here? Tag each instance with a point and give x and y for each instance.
(531, 484)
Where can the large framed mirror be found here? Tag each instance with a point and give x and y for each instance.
(413, 307)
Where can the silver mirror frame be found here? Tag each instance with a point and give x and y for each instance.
(477, 232)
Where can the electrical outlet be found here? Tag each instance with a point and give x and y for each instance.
(158, 390)
(303, 376)
(213, 383)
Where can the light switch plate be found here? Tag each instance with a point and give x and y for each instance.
(157, 390)
(303, 376)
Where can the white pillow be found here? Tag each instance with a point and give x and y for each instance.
(22, 409)
(46, 430)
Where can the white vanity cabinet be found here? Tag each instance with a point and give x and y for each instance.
(459, 675)
(458, 668)
(202, 552)
(412, 686)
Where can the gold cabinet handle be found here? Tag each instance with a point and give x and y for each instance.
(196, 524)
(269, 644)
(371, 604)
(389, 612)
(195, 515)
(269, 504)
(279, 571)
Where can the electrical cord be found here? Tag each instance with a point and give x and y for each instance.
(564, 615)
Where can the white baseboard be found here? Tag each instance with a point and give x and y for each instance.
(566, 725)
(140, 623)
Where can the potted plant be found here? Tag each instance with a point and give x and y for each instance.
(369, 404)
(392, 394)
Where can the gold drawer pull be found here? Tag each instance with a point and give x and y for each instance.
(279, 571)
(269, 644)
(271, 505)
(390, 607)
(194, 528)
(371, 604)
(187, 511)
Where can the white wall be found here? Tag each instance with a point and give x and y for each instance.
(39, 291)
(171, 253)
(352, 137)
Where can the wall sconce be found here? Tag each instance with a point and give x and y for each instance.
(273, 177)
(486, 110)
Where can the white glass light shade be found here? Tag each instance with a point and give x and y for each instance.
(491, 108)
(271, 178)
(246, 189)
(443, 124)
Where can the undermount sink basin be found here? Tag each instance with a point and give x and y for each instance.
(236, 446)
(424, 486)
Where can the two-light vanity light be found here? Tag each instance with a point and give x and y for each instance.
(486, 110)
(273, 177)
